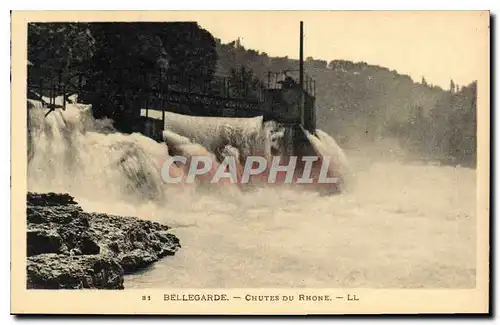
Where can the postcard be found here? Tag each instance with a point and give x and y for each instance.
(250, 162)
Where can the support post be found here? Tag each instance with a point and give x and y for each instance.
(41, 92)
(163, 102)
(53, 93)
(62, 89)
(301, 72)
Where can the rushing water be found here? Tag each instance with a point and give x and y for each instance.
(399, 224)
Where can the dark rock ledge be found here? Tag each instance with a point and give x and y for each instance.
(68, 248)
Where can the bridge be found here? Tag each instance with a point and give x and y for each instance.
(287, 97)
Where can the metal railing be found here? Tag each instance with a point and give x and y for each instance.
(129, 87)
(145, 81)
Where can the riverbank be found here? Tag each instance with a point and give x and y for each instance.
(68, 248)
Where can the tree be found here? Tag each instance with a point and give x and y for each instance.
(244, 84)
(133, 58)
(55, 48)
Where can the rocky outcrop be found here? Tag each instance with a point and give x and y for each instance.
(68, 248)
(58, 271)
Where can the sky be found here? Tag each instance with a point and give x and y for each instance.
(437, 45)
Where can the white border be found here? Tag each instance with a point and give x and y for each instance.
(150, 5)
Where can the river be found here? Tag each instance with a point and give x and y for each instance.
(399, 224)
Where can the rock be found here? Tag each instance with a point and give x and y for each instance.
(75, 251)
(134, 241)
(62, 239)
(114, 247)
(44, 241)
(54, 214)
(54, 271)
(50, 199)
(89, 246)
(139, 245)
(136, 259)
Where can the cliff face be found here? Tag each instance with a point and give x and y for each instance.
(68, 248)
